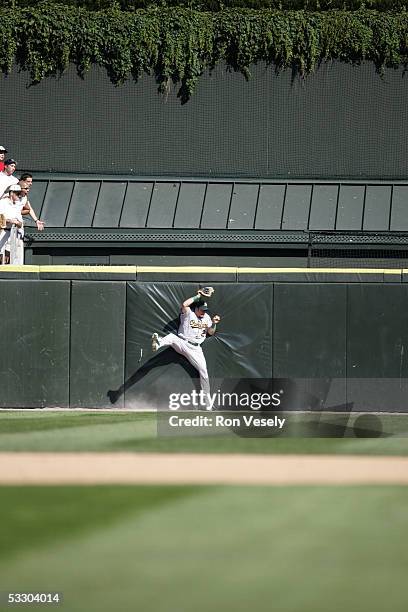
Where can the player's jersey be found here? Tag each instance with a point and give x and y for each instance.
(192, 327)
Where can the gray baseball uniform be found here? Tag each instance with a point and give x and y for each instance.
(192, 332)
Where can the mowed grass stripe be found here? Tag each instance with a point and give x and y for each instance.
(312, 549)
(40, 516)
(26, 421)
(137, 432)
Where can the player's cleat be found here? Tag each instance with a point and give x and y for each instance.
(155, 342)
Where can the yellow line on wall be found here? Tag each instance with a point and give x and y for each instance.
(184, 269)
(195, 270)
(22, 269)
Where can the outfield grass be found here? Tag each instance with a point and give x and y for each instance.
(176, 549)
(137, 432)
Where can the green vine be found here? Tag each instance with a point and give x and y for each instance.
(178, 44)
(219, 5)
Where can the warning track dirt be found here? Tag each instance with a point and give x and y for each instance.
(201, 469)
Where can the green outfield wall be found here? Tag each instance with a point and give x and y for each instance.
(81, 336)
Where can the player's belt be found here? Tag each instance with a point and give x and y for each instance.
(189, 341)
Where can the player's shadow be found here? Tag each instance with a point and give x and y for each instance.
(162, 358)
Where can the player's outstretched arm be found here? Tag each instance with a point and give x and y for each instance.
(211, 330)
(185, 307)
(202, 293)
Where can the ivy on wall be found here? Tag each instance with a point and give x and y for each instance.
(178, 44)
(219, 5)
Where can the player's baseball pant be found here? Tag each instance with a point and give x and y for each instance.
(194, 354)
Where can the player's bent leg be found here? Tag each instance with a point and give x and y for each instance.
(174, 342)
(170, 340)
(205, 387)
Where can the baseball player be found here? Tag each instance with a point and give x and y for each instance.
(195, 324)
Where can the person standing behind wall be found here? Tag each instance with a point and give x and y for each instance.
(25, 183)
(6, 177)
(27, 178)
(3, 152)
(11, 237)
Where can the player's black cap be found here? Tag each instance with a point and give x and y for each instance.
(202, 306)
(10, 161)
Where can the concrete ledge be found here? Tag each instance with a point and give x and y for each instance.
(200, 274)
(19, 272)
(87, 273)
(205, 274)
(317, 275)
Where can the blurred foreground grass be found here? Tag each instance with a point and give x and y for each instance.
(172, 549)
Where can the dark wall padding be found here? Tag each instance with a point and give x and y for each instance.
(97, 341)
(34, 356)
(88, 343)
(309, 345)
(241, 349)
(377, 344)
(312, 345)
(149, 378)
(343, 121)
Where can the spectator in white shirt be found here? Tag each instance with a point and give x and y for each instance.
(6, 177)
(11, 238)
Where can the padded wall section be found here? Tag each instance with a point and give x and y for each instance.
(309, 347)
(34, 360)
(342, 121)
(97, 342)
(377, 341)
(240, 349)
(87, 343)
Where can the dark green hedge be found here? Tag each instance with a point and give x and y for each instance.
(218, 5)
(179, 44)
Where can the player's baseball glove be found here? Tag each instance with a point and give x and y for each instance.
(206, 291)
(3, 223)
